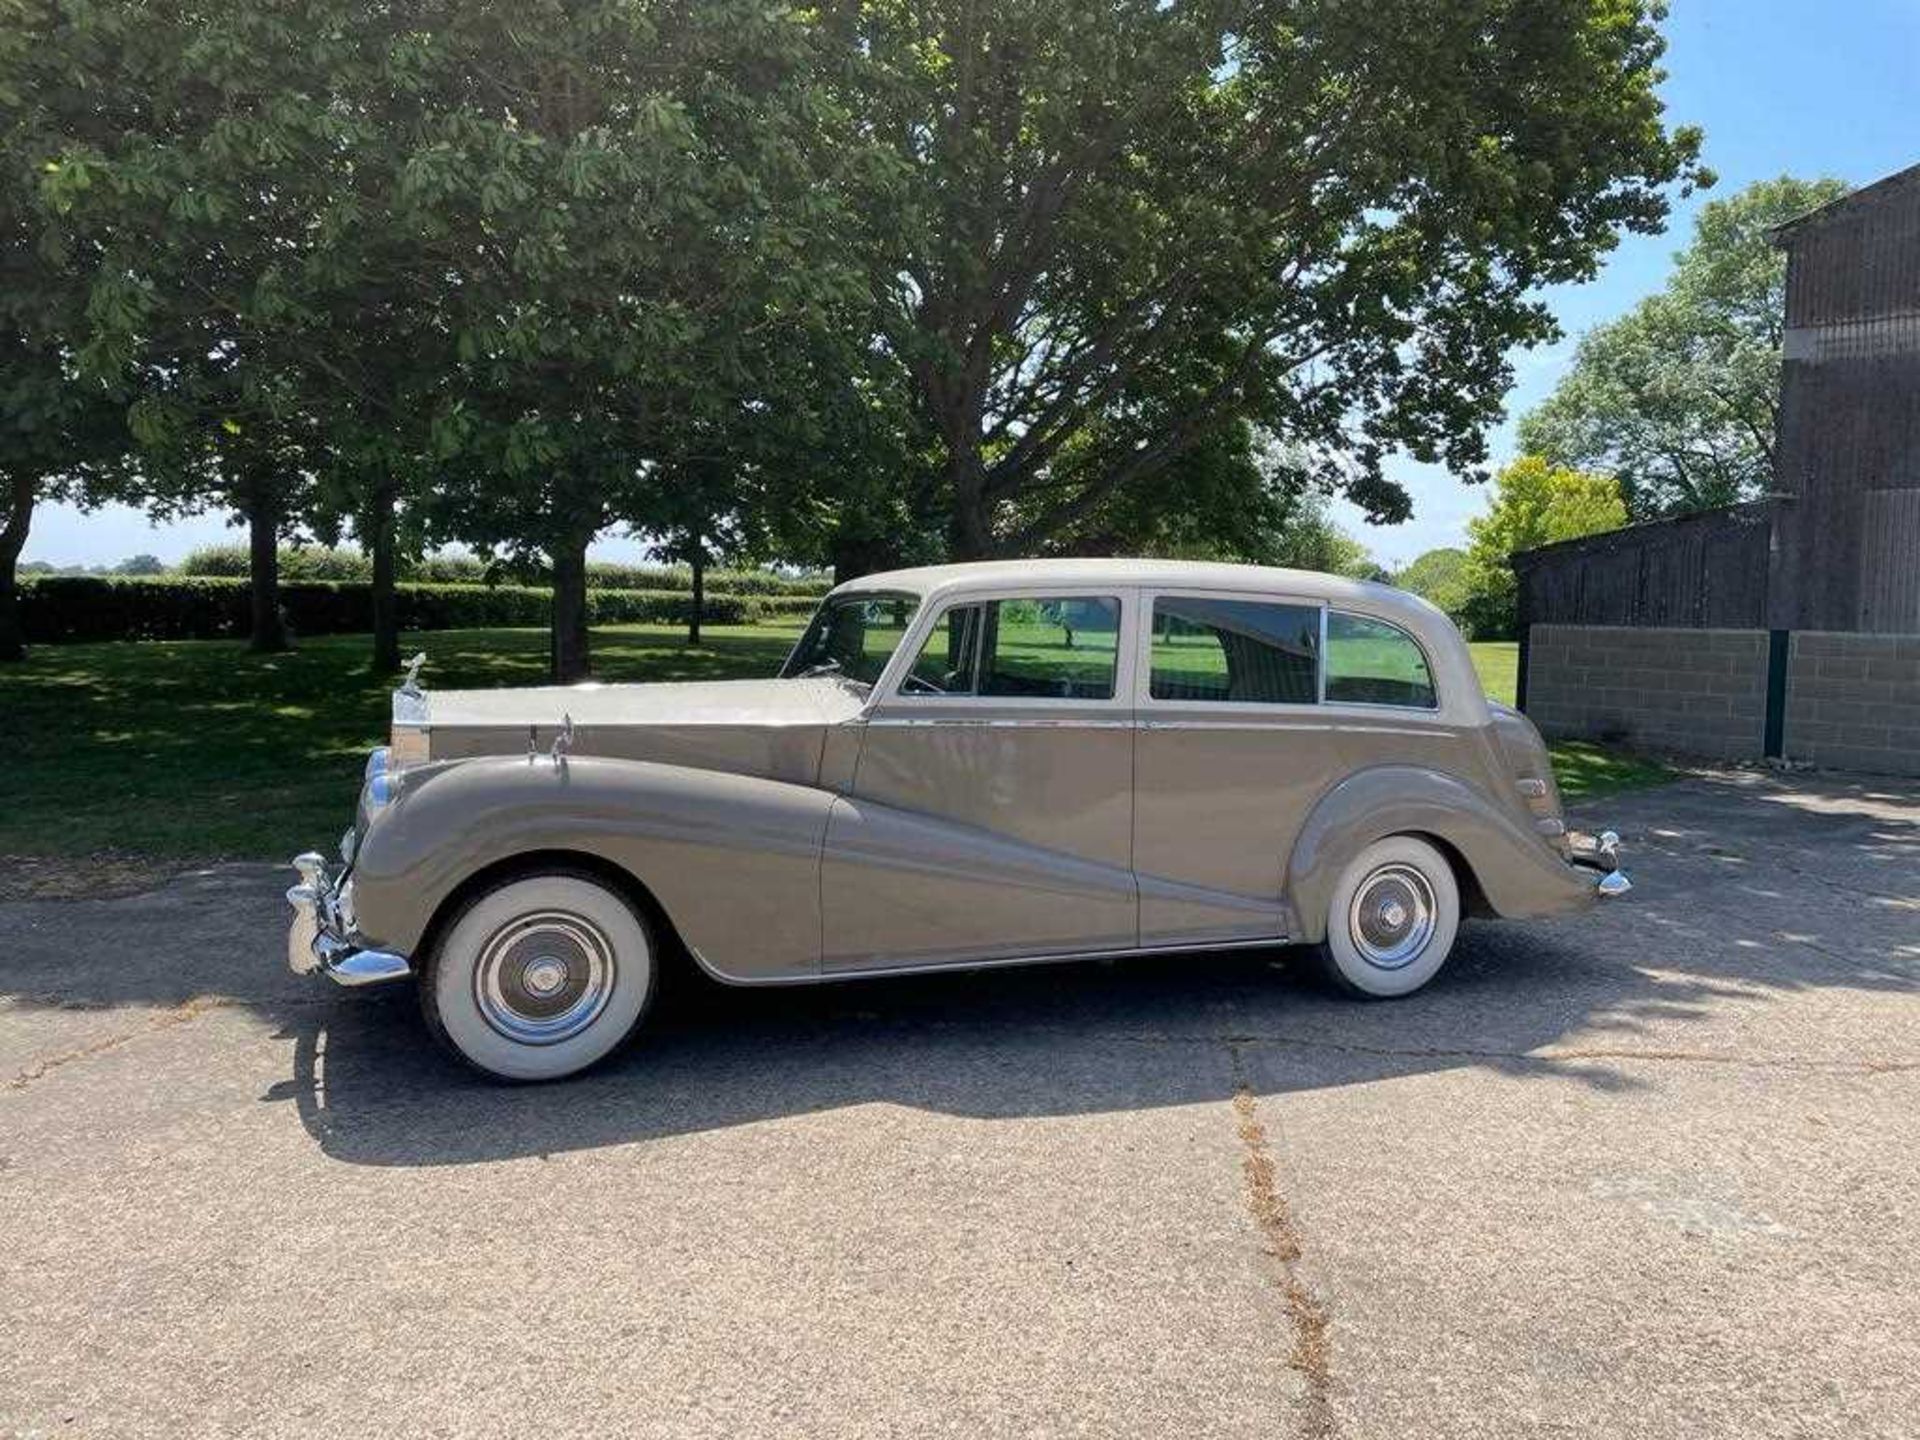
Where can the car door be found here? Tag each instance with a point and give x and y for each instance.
(1233, 749)
(990, 811)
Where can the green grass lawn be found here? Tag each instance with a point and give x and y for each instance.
(195, 749)
(1584, 770)
(1498, 662)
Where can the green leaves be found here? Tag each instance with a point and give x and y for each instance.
(1323, 218)
(1534, 503)
(1678, 397)
(994, 277)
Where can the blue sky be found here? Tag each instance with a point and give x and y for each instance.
(1801, 87)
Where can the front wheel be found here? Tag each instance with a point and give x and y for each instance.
(540, 976)
(1392, 919)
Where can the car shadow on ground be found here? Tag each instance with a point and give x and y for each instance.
(1739, 903)
(1752, 890)
(1016, 1043)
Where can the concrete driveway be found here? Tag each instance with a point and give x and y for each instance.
(1651, 1172)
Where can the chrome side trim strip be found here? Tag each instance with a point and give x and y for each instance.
(1279, 724)
(1036, 723)
(1002, 962)
(1284, 724)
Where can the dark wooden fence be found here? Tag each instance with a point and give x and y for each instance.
(1702, 571)
(1706, 571)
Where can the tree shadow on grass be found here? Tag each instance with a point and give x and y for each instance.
(199, 748)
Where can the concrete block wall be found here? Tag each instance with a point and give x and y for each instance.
(1853, 701)
(1687, 692)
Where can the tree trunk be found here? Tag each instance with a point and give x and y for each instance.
(698, 561)
(384, 544)
(269, 632)
(571, 660)
(13, 539)
(970, 529)
(854, 555)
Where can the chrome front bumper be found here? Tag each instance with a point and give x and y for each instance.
(1602, 853)
(320, 938)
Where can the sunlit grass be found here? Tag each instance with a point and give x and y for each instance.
(198, 749)
(1584, 770)
(1498, 662)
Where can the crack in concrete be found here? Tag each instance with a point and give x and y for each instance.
(1312, 1354)
(163, 1020)
(71, 1000)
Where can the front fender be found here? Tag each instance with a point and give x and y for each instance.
(1517, 873)
(734, 860)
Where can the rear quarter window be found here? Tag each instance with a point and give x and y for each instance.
(1371, 662)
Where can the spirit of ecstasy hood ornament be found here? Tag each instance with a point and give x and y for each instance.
(411, 685)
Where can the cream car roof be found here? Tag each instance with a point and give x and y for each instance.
(1461, 696)
(947, 581)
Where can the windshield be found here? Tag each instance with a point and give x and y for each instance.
(853, 637)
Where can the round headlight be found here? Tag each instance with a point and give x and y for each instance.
(379, 761)
(382, 790)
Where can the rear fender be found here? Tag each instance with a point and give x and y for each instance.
(1516, 871)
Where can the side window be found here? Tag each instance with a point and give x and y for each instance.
(1250, 651)
(1370, 662)
(950, 659)
(1064, 649)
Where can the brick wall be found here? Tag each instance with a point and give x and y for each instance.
(1853, 701)
(1687, 692)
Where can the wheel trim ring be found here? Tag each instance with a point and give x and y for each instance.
(531, 946)
(1393, 916)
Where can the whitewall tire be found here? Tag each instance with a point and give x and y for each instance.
(1392, 919)
(540, 976)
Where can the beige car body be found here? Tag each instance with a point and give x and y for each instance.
(797, 830)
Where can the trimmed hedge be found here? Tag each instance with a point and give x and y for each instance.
(63, 609)
(318, 562)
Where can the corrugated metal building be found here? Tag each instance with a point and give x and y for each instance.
(1848, 450)
(1790, 627)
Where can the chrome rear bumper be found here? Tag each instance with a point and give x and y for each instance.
(320, 938)
(1602, 853)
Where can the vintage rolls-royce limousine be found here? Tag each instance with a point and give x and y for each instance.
(964, 765)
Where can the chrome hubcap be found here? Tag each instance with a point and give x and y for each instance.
(1392, 917)
(544, 978)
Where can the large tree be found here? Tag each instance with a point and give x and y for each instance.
(1534, 503)
(206, 192)
(348, 255)
(1149, 221)
(62, 434)
(1235, 496)
(1679, 398)
(1438, 576)
(644, 203)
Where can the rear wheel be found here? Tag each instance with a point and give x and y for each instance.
(540, 976)
(1392, 919)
